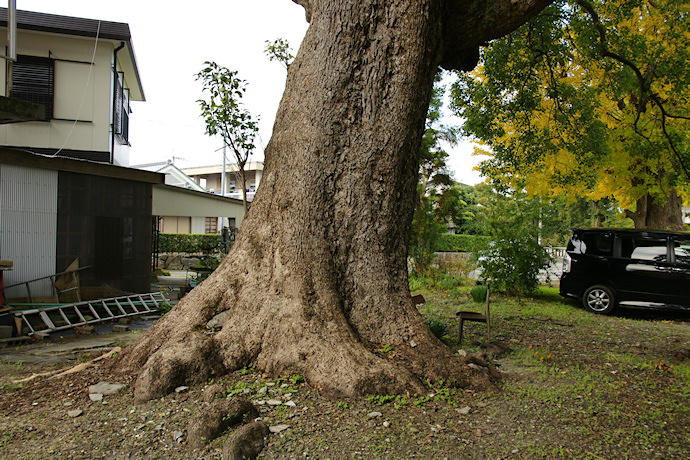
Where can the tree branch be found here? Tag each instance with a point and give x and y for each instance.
(645, 87)
(490, 19)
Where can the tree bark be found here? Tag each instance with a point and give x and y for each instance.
(317, 279)
(658, 214)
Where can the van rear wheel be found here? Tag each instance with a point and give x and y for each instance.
(599, 299)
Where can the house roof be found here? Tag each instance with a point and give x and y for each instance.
(216, 169)
(80, 27)
(68, 25)
(21, 158)
(173, 175)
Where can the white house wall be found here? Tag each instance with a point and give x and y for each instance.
(28, 226)
(72, 86)
(175, 201)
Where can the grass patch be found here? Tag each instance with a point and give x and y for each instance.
(590, 385)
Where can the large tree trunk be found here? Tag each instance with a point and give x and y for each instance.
(318, 276)
(658, 214)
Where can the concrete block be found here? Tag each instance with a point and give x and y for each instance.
(40, 335)
(87, 329)
(120, 328)
(5, 332)
(14, 341)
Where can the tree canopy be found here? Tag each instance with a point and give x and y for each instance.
(589, 98)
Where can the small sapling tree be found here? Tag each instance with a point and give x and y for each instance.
(225, 116)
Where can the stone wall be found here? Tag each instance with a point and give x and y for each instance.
(177, 261)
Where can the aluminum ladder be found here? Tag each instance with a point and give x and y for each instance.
(66, 316)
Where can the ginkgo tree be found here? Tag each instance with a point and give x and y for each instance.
(590, 99)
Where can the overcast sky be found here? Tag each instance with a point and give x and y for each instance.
(173, 39)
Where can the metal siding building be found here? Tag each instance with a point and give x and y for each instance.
(28, 226)
(55, 210)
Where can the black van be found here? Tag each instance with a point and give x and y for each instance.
(605, 267)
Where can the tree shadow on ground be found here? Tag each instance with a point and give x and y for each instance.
(653, 314)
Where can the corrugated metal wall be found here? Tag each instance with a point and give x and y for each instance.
(28, 226)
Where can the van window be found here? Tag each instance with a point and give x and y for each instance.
(681, 249)
(597, 244)
(643, 249)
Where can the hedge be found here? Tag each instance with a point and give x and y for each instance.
(188, 243)
(182, 242)
(460, 243)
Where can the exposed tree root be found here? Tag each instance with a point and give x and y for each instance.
(324, 348)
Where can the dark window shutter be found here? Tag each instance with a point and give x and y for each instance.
(117, 118)
(33, 81)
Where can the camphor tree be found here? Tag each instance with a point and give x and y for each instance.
(224, 115)
(590, 98)
(317, 277)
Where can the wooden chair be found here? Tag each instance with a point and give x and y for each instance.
(418, 299)
(476, 316)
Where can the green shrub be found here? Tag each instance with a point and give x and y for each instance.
(164, 308)
(459, 243)
(513, 263)
(479, 293)
(448, 282)
(189, 243)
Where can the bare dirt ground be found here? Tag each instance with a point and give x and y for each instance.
(577, 386)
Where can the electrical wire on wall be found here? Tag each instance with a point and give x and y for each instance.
(83, 97)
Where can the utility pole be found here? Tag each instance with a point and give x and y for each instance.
(12, 43)
(222, 183)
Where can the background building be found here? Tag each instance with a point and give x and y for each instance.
(209, 177)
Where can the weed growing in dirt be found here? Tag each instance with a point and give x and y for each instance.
(9, 387)
(296, 379)
(438, 327)
(420, 401)
(614, 387)
(386, 348)
(247, 369)
(7, 437)
(380, 400)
